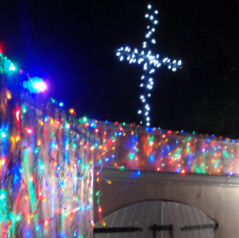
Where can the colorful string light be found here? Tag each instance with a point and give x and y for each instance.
(46, 175)
(47, 160)
(6, 66)
(149, 61)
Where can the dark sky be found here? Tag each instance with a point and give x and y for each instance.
(72, 44)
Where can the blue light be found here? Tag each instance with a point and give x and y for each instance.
(61, 104)
(151, 158)
(92, 124)
(3, 134)
(75, 233)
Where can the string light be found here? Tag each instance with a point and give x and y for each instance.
(150, 62)
(6, 66)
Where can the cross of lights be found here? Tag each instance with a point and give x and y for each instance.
(149, 61)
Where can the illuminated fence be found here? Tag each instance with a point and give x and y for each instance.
(46, 173)
(131, 147)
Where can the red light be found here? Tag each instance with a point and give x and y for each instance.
(169, 132)
(96, 130)
(28, 130)
(163, 136)
(18, 115)
(99, 210)
(183, 171)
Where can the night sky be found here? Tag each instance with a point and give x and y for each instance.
(72, 45)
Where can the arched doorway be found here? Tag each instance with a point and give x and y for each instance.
(156, 219)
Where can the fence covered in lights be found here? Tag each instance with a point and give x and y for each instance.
(136, 148)
(46, 172)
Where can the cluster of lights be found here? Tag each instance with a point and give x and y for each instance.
(160, 150)
(6, 66)
(150, 62)
(34, 85)
(40, 188)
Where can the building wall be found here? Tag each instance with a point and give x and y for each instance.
(220, 203)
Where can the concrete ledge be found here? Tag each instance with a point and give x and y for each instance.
(169, 178)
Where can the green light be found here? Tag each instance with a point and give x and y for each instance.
(24, 108)
(53, 100)
(18, 218)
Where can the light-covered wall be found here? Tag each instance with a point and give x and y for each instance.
(46, 171)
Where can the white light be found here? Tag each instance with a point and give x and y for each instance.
(40, 86)
(153, 41)
(146, 57)
(12, 67)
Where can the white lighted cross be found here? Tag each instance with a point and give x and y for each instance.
(149, 61)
